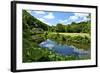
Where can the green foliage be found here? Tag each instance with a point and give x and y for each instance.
(79, 41)
(41, 55)
(30, 22)
(45, 35)
(60, 28)
(35, 32)
(83, 27)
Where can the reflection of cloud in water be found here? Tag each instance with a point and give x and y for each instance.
(63, 49)
(47, 44)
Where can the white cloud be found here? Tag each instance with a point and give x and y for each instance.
(85, 19)
(49, 16)
(77, 16)
(62, 21)
(41, 19)
(39, 12)
(66, 21)
(47, 23)
(81, 14)
(73, 18)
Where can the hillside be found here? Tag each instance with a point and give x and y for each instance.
(30, 22)
(32, 26)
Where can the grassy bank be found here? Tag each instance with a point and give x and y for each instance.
(79, 40)
(74, 34)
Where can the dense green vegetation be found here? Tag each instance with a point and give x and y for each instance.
(35, 32)
(82, 27)
(75, 40)
(41, 55)
(30, 22)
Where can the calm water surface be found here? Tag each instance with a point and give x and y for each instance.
(64, 49)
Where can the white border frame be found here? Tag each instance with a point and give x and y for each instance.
(41, 65)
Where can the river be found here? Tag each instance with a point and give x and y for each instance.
(65, 49)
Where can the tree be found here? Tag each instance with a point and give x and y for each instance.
(60, 27)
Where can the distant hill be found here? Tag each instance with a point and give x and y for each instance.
(30, 22)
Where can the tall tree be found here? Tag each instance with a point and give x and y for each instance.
(60, 28)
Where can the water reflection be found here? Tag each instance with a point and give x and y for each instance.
(64, 49)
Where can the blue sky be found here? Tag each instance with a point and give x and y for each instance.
(52, 18)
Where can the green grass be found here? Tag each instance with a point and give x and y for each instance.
(73, 34)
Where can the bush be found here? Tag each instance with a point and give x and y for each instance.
(43, 54)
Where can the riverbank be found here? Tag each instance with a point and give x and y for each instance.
(33, 53)
(79, 40)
